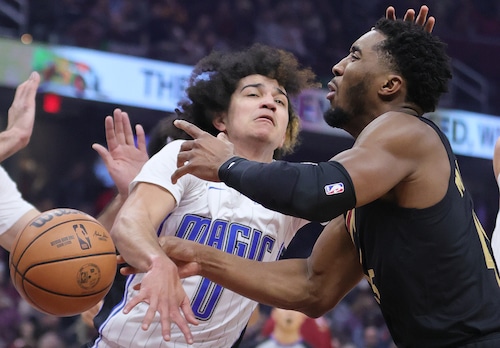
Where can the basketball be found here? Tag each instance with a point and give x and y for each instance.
(63, 262)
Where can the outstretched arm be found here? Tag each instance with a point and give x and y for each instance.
(21, 118)
(134, 234)
(313, 285)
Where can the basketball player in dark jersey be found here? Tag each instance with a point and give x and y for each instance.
(400, 215)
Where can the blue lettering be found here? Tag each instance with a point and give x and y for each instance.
(193, 228)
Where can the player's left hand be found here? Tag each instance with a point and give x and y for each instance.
(421, 19)
(122, 158)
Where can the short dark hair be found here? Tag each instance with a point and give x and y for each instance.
(419, 57)
(215, 77)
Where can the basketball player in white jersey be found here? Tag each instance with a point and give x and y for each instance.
(246, 95)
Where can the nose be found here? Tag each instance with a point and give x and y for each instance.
(338, 69)
(268, 102)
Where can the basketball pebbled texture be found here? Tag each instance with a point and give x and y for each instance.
(63, 262)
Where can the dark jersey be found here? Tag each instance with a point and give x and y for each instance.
(431, 270)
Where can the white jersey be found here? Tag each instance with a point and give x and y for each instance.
(495, 239)
(12, 205)
(212, 214)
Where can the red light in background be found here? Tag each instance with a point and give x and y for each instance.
(51, 103)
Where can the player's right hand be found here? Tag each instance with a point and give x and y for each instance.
(202, 156)
(162, 290)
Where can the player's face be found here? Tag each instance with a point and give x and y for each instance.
(257, 114)
(288, 320)
(355, 83)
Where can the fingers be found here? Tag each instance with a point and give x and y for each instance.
(409, 15)
(179, 172)
(141, 138)
(181, 322)
(189, 128)
(165, 326)
(188, 312)
(103, 152)
(109, 127)
(149, 317)
(421, 19)
(126, 127)
(27, 90)
(120, 126)
(429, 26)
(422, 15)
(390, 13)
(166, 317)
(183, 158)
(134, 301)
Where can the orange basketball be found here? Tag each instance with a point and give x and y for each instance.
(63, 262)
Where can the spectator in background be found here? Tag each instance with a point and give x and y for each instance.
(313, 331)
(286, 332)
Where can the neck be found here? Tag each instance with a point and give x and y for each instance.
(286, 338)
(253, 153)
(363, 120)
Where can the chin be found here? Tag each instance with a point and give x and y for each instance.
(336, 117)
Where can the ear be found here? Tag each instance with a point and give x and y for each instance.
(219, 122)
(392, 85)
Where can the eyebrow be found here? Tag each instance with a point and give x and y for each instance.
(356, 48)
(257, 85)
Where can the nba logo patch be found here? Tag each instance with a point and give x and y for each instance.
(334, 189)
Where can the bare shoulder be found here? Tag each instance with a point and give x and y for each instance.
(417, 148)
(401, 132)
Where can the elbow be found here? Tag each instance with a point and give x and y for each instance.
(318, 306)
(312, 303)
(312, 209)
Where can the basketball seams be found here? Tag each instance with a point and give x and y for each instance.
(83, 249)
(37, 237)
(60, 293)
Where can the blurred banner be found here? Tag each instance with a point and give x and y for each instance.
(95, 75)
(150, 84)
(470, 134)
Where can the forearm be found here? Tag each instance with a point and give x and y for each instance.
(108, 215)
(11, 141)
(317, 192)
(8, 237)
(136, 241)
(283, 284)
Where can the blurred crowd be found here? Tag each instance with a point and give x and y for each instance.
(319, 32)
